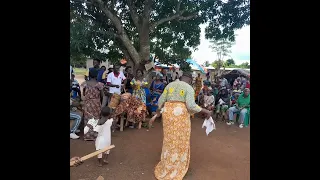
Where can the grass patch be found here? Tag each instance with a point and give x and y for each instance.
(79, 71)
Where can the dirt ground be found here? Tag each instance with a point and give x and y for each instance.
(223, 155)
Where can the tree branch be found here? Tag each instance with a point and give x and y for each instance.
(185, 18)
(161, 21)
(147, 9)
(178, 6)
(114, 18)
(116, 21)
(133, 13)
(176, 16)
(106, 32)
(109, 33)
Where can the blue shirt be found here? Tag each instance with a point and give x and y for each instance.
(100, 73)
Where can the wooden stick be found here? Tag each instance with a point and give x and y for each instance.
(93, 154)
(100, 178)
(121, 122)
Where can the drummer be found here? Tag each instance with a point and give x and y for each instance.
(115, 80)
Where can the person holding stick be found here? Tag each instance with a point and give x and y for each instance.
(92, 91)
(75, 161)
(103, 133)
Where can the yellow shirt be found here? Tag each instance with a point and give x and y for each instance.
(104, 75)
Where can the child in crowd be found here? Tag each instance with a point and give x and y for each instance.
(215, 90)
(222, 103)
(102, 131)
(238, 89)
(75, 86)
(207, 101)
(234, 99)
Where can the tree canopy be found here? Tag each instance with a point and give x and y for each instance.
(230, 62)
(113, 29)
(227, 64)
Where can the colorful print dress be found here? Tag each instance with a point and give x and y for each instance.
(92, 106)
(179, 103)
(138, 91)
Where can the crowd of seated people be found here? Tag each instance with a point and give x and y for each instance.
(127, 93)
(229, 101)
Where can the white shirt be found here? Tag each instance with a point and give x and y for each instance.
(75, 83)
(115, 81)
(121, 69)
(104, 135)
(208, 100)
(174, 75)
(224, 82)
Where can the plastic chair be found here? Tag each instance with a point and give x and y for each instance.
(246, 117)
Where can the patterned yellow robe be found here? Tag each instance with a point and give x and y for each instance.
(179, 103)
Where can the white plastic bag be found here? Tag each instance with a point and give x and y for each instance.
(209, 124)
(221, 101)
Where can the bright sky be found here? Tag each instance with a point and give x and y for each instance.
(240, 50)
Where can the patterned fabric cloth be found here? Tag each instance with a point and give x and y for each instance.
(178, 100)
(156, 95)
(138, 91)
(135, 109)
(181, 92)
(198, 84)
(175, 156)
(92, 105)
(208, 100)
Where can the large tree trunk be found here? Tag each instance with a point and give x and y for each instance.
(144, 47)
(135, 57)
(144, 39)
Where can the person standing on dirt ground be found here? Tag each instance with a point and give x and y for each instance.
(115, 79)
(100, 74)
(105, 98)
(96, 65)
(178, 103)
(129, 76)
(92, 90)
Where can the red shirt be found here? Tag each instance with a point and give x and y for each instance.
(248, 85)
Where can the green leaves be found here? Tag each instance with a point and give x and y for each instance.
(230, 62)
(173, 26)
(221, 47)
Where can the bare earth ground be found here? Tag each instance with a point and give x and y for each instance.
(223, 155)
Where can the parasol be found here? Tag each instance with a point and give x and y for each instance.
(194, 63)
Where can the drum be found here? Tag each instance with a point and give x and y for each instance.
(115, 101)
(125, 96)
